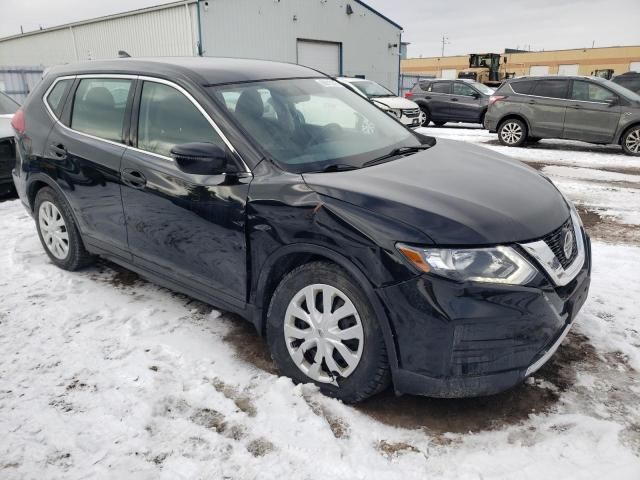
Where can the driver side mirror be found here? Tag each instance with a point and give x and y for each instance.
(199, 158)
(614, 101)
(475, 95)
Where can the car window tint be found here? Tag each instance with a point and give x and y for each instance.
(7, 105)
(54, 99)
(523, 87)
(630, 82)
(99, 107)
(462, 89)
(168, 118)
(440, 87)
(551, 88)
(590, 92)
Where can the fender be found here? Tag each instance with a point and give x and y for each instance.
(339, 259)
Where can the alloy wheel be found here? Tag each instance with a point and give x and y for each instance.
(511, 133)
(54, 230)
(323, 333)
(632, 141)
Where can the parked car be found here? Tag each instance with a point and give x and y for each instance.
(7, 151)
(406, 111)
(445, 101)
(590, 109)
(630, 80)
(365, 252)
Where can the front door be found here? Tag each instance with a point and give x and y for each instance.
(465, 103)
(87, 148)
(547, 107)
(189, 228)
(593, 113)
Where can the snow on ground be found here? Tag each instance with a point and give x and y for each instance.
(105, 375)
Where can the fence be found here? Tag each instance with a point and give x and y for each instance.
(18, 81)
(408, 81)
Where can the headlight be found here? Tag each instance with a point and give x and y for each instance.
(491, 265)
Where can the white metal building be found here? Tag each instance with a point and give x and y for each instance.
(339, 37)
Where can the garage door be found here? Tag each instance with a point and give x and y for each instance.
(449, 74)
(568, 69)
(539, 70)
(634, 66)
(323, 56)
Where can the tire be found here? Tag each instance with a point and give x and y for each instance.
(52, 211)
(512, 133)
(427, 117)
(439, 124)
(357, 380)
(631, 141)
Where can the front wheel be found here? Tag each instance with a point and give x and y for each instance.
(425, 117)
(512, 133)
(321, 328)
(631, 141)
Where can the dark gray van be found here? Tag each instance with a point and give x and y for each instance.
(589, 109)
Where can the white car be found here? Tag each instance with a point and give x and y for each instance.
(406, 111)
(7, 151)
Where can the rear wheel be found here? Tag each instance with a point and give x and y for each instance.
(512, 132)
(631, 141)
(321, 328)
(58, 231)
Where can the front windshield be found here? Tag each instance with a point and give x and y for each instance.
(483, 88)
(371, 89)
(308, 125)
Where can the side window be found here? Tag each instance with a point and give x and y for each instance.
(590, 92)
(168, 118)
(56, 96)
(551, 88)
(99, 107)
(523, 87)
(424, 86)
(462, 89)
(440, 87)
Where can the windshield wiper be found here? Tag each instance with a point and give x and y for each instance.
(335, 167)
(395, 153)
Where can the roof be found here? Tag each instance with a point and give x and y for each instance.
(373, 10)
(202, 70)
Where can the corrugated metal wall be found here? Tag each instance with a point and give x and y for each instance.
(268, 29)
(18, 81)
(166, 31)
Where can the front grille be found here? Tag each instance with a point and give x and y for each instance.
(412, 113)
(555, 241)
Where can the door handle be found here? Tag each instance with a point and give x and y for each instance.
(532, 102)
(133, 178)
(59, 151)
(576, 107)
(428, 97)
(454, 99)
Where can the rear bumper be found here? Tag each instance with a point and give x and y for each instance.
(464, 340)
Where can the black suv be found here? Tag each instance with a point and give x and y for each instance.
(630, 80)
(365, 252)
(445, 101)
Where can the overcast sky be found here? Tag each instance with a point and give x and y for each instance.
(470, 25)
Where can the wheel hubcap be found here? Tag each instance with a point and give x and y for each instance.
(423, 119)
(511, 133)
(54, 230)
(633, 141)
(323, 333)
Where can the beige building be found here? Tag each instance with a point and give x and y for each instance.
(583, 61)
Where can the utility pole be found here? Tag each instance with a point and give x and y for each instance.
(445, 41)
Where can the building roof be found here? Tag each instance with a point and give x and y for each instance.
(201, 70)
(373, 10)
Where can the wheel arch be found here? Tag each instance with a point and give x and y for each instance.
(37, 182)
(625, 130)
(516, 116)
(289, 257)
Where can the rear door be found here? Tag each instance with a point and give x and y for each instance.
(86, 147)
(437, 96)
(465, 103)
(189, 228)
(593, 114)
(546, 106)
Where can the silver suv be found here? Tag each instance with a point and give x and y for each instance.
(589, 109)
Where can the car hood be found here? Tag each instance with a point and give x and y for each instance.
(455, 193)
(395, 102)
(6, 130)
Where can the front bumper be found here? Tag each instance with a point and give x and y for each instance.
(463, 340)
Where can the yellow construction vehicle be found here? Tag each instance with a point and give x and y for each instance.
(486, 68)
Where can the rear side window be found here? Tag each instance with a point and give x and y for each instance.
(440, 87)
(55, 99)
(590, 92)
(551, 88)
(167, 118)
(630, 82)
(99, 107)
(523, 87)
(423, 86)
